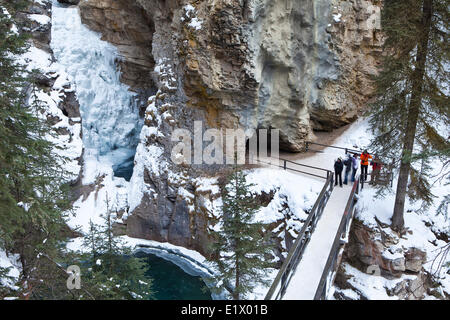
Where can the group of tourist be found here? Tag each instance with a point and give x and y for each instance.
(351, 165)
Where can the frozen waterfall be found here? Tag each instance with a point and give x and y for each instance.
(111, 122)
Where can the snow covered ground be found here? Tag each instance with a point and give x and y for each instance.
(420, 235)
(373, 287)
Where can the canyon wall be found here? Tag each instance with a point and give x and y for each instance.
(291, 65)
(296, 66)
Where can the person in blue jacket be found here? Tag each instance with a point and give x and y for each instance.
(354, 166)
(348, 167)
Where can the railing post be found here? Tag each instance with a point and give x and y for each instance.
(332, 181)
(284, 164)
(357, 187)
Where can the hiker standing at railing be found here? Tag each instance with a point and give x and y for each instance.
(376, 167)
(354, 166)
(365, 156)
(338, 167)
(348, 167)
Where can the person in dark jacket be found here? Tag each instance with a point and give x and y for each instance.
(348, 167)
(338, 167)
(354, 166)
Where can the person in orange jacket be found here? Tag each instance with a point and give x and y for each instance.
(365, 156)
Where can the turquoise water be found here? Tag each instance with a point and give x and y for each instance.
(170, 282)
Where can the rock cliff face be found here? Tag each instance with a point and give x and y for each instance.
(296, 66)
(356, 40)
(290, 65)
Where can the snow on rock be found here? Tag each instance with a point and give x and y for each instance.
(373, 287)
(195, 23)
(287, 191)
(419, 235)
(149, 156)
(40, 18)
(289, 203)
(337, 17)
(107, 193)
(36, 58)
(68, 144)
(208, 188)
(190, 15)
(165, 75)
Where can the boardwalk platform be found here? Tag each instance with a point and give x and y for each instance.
(304, 282)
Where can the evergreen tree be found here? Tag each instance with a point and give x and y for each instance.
(242, 250)
(411, 114)
(109, 270)
(33, 190)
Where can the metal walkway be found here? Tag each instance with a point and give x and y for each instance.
(310, 266)
(306, 277)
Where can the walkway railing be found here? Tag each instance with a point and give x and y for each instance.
(278, 288)
(334, 259)
(284, 165)
(281, 282)
(347, 150)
